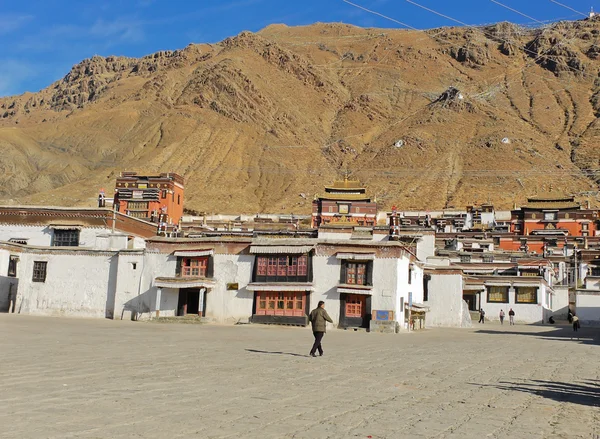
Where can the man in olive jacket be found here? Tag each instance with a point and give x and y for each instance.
(319, 318)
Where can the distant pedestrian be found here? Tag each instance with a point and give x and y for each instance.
(511, 317)
(319, 318)
(481, 315)
(570, 316)
(501, 317)
(576, 324)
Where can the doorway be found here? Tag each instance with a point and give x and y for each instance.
(355, 310)
(471, 299)
(191, 301)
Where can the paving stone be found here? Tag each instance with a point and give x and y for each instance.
(89, 379)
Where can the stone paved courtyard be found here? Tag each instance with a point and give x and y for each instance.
(71, 378)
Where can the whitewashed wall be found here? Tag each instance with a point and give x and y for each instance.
(592, 283)
(5, 281)
(128, 284)
(326, 278)
(76, 284)
(524, 313)
(230, 306)
(426, 247)
(588, 307)
(445, 301)
(41, 235)
(560, 302)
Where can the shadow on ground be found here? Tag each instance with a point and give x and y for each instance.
(585, 335)
(585, 392)
(256, 351)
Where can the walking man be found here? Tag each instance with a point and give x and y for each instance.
(501, 317)
(319, 318)
(481, 315)
(511, 317)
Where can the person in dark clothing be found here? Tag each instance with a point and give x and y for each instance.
(576, 324)
(511, 317)
(481, 316)
(570, 316)
(318, 319)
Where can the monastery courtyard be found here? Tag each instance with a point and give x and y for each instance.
(79, 378)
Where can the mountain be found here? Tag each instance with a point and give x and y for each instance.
(260, 122)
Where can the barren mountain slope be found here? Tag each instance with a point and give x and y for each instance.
(260, 122)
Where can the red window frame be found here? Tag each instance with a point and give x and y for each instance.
(262, 267)
(282, 266)
(356, 274)
(355, 306)
(281, 303)
(194, 267)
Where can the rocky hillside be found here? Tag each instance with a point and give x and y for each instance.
(260, 122)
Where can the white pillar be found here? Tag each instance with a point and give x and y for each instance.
(157, 305)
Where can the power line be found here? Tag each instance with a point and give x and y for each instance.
(514, 10)
(568, 7)
(381, 15)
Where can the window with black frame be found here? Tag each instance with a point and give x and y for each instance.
(65, 238)
(39, 271)
(357, 273)
(497, 294)
(282, 268)
(12, 266)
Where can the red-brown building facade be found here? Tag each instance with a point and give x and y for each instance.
(554, 216)
(151, 198)
(345, 202)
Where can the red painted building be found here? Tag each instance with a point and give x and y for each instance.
(151, 198)
(553, 215)
(344, 203)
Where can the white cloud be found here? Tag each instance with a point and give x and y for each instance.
(121, 29)
(10, 23)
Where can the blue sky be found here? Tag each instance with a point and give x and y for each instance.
(41, 39)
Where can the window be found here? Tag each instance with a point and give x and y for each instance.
(280, 303)
(426, 279)
(282, 267)
(22, 241)
(526, 295)
(356, 274)
(39, 271)
(549, 216)
(410, 276)
(178, 199)
(134, 265)
(194, 267)
(488, 258)
(355, 306)
(134, 214)
(65, 238)
(261, 266)
(497, 294)
(465, 259)
(137, 205)
(288, 268)
(584, 226)
(12, 266)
